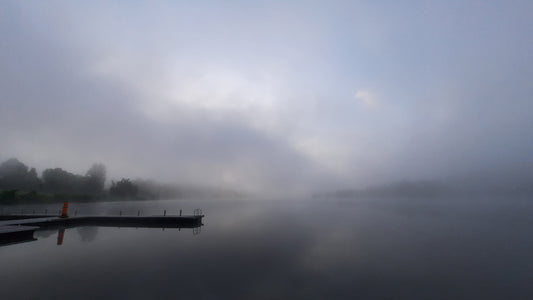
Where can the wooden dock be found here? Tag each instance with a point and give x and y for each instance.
(20, 228)
(167, 221)
(16, 234)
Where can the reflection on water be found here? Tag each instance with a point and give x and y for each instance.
(382, 249)
(44, 233)
(88, 234)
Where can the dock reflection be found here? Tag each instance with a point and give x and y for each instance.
(87, 234)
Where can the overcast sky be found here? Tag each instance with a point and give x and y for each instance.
(269, 95)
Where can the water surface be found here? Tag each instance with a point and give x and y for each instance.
(281, 249)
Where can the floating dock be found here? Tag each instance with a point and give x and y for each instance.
(20, 228)
(108, 221)
(16, 234)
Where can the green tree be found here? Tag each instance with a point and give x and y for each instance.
(15, 175)
(8, 195)
(96, 178)
(123, 189)
(33, 182)
(60, 181)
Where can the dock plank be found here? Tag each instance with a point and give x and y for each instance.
(12, 229)
(111, 221)
(27, 221)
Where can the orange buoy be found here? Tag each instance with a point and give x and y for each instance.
(64, 212)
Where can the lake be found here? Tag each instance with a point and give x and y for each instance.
(284, 249)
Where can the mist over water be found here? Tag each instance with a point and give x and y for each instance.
(339, 149)
(363, 249)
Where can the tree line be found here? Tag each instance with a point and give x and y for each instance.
(19, 182)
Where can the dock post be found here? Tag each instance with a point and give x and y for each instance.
(76, 212)
(138, 213)
(46, 211)
(165, 213)
(180, 212)
(120, 213)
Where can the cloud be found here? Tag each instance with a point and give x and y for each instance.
(261, 97)
(367, 98)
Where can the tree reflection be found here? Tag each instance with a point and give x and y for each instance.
(88, 234)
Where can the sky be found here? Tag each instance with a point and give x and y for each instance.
(283, 96)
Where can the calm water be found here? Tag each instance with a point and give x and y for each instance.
(349, 249)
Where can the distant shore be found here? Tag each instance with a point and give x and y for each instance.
(11, 197)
